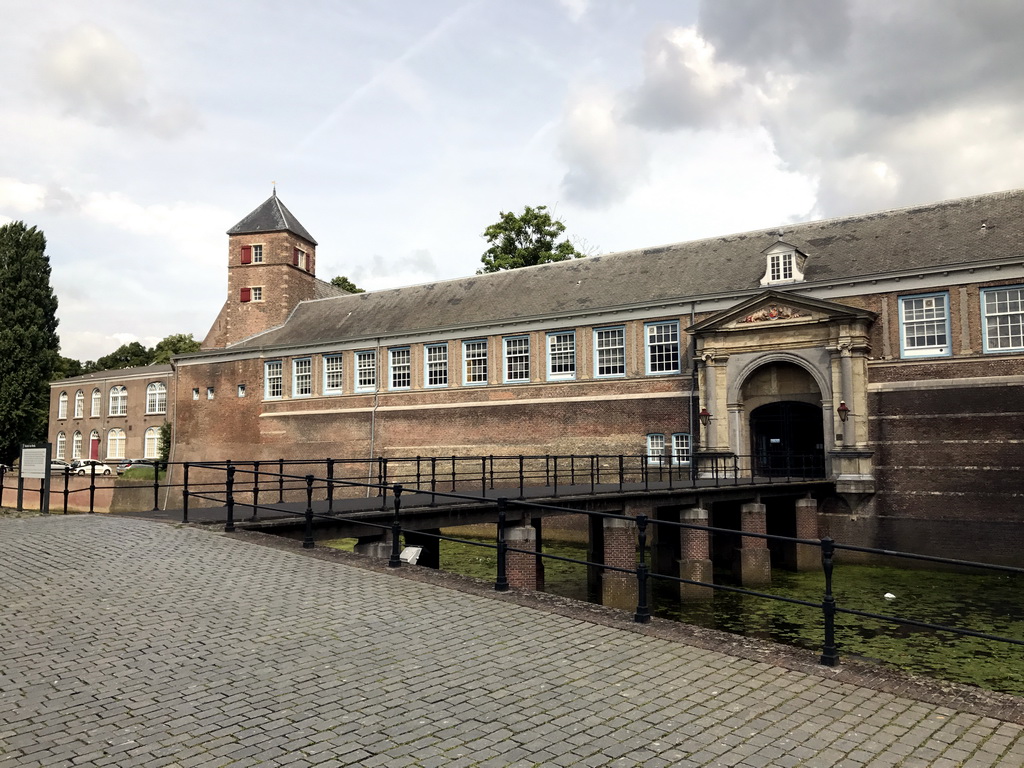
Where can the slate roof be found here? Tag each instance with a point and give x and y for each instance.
(271, 216)
(974, 229)
(113, 373)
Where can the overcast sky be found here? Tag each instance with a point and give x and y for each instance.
(134, 134)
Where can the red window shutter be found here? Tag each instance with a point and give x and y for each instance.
(247, 254)
(246, 294)
(295, 256)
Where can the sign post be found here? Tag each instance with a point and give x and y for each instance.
(35, 462)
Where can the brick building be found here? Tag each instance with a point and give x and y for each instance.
(110, 415)
(883, 351)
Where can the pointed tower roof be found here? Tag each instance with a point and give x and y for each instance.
(271, 216)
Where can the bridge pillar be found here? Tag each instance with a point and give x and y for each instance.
(618, 590)
(807, 558)
(378, 547)
(752, 562)
(521, 569)
(695, 556)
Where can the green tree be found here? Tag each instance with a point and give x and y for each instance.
(164, 445)
(29, 347)
(525, 240)
(175, 344)
(126, 356)
(68, 367)
(345, 284)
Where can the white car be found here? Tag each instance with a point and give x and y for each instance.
(84, 467)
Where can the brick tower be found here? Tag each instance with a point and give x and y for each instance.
(271, 268)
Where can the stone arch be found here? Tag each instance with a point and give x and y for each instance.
(820, 374)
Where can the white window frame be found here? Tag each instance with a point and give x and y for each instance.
(256, 293)
(96, 407)
(1007, 323)
(62, 405)
(602, 350)
(682, 449)
(515, 356)
(151, 444)
(76, 445)
(79, 404)
(399, 368)
(655, 448)
(566, 353)
(257, 253)
(919, 311)
(118, 400)
(334, 374)
(62, 445)
(474, 362)
(273, 381)
(115, 443)
(656, 345)
(435, 365)
(156, 398)
(302, 377)
(365, 370)
(780, 267)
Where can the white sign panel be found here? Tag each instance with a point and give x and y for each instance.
(33, 463)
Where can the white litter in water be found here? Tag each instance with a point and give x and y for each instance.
(889, 596)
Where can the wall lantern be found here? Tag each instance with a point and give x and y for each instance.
(704, 416)
(843, 410)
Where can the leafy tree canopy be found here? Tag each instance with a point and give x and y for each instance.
(126, 356)
(175, 344)
(29, 347)
(135, 354)
(345, 284)
(526, 240)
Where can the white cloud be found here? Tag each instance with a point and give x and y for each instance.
(575, 9)
(21, 196)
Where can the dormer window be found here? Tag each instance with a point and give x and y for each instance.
(785, 264)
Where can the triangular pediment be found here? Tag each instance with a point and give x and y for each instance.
(777, 308)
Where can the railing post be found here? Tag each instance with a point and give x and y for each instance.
(501, 582)
(643, 611)
(433, 480)
(92, 488)
(547, 471)
(396, 530)
(280, 481)
(555, 476)
(184, 493)
(67, 490)
(382, 476)
(492, 471)
(592, 477)
(156, 485)
(572, 469)
(453, 473)
(622, 462)
(330, 486)
(255, 488)
(483, 475)
(418, 480)
(522, 479)
(230, 492)
(829, 654)
(307, 542)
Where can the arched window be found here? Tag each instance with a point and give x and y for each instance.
(156, 398)
(79, 404)
(76, 446)
(152, 444)
(62, 444)
(62, 406)
(115, 444)
(97, 403)
(118, 401)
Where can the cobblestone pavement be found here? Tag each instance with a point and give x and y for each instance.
(132, 643)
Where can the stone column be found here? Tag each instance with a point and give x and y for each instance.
(618, 590)
(807, 558)
(695, 556)
(521, 568)
(753, 560)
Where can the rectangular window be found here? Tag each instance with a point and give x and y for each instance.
(780, 266)
(517, 359)
(302, 377)
(436, 365)
(333, 375)
(609, 352)
(400, 368)
(241, 390)
(209, 393)
(655, 449)
(924, 326)
(273, 381)
(662, 347)
(257, 293)
(681, 448)
(562, 355)
(257, 254)
(474, 362)
(366, 370)
(1002, 311)
(195, 393)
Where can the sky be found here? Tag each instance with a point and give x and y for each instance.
(135, 134)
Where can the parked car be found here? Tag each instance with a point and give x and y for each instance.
(59, 466)
(125, 464)
(84, 467)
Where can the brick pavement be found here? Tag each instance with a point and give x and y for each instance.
(132, 643)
